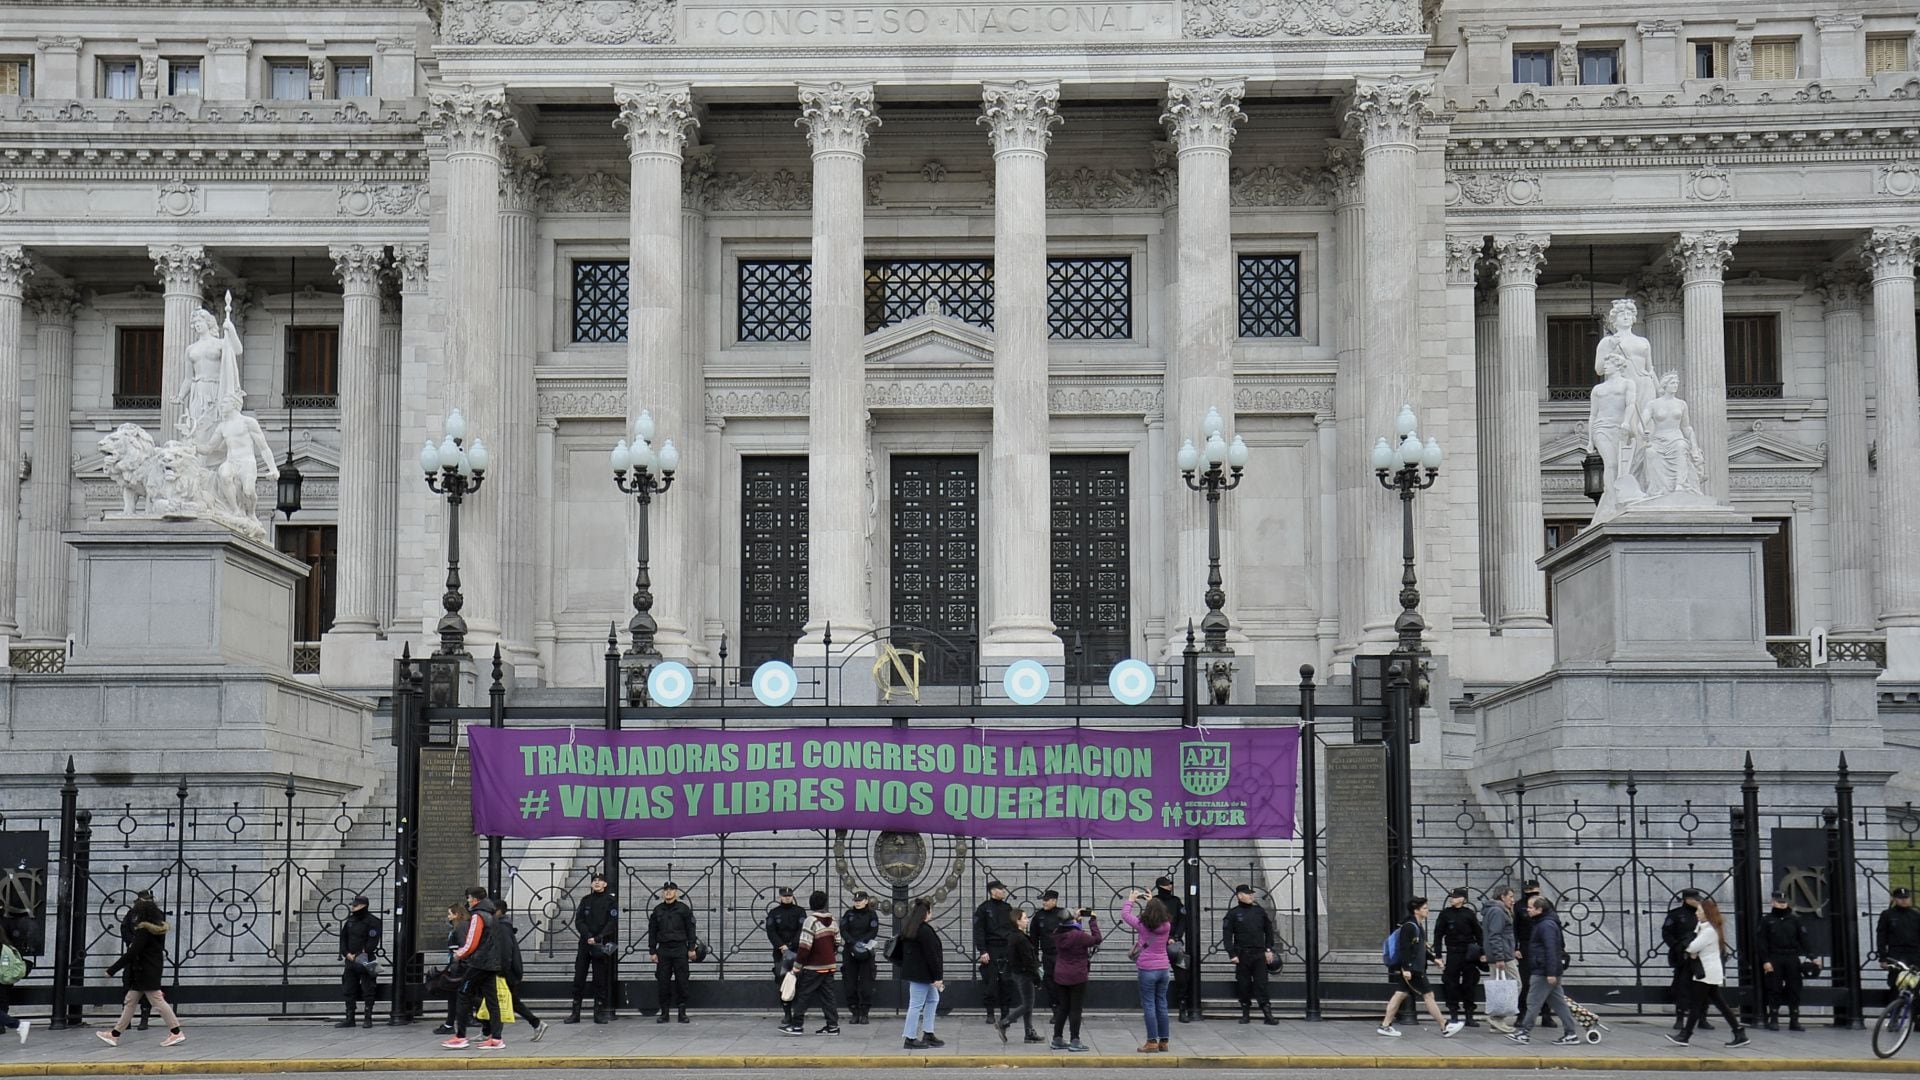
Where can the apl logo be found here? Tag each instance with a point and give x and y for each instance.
(1204, 767)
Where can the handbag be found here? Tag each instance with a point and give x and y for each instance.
(1696, 968)
(1176, 953)
(604, 948)
(1503, 994)
(789, 984)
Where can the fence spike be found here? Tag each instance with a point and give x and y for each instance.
(1749, 766)
(1843, 765)
(406, 650)
(1306, 674)
(499, 668)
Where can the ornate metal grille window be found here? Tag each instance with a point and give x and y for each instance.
(1571, 341)
(1269, 296)
(776, 300)
(1090, 299)
(1091, 583)
(600, 301)
(899, 289)
(935, 544)
(773, 563)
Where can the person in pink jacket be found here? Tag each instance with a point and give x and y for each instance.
(1151, 966)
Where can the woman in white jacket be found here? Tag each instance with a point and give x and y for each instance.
(1707, 952)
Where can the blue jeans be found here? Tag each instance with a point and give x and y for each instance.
(922, 1000)
(1153, 1002)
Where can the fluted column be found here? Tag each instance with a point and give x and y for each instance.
(1516, 508)
(1386, 114)
(1702, 258)
(356, 597)
(705, 548)
(1018, 116)
(523, 180)
(1352, 500)
(475, 125)
(662, 377)
(387, 516)
(1889, 255)
(14, 270)
(1200, 118)
(54, 304)
(418, 569)
(1463, 265)
(1491, 432)
(838, 118)
(183, 271)
(1842, 288)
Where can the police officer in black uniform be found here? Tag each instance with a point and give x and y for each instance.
(1676, 933)
(359, 945)
(1456, 930)
(1898, 935)
(859, 935)
(783, 933)
(1783, 941)
(670, 938)
(597, 921)
(1246, 933)
(992, 926)
(1040, 930)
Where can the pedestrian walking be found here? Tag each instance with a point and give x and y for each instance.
(1073, 944)
(485, 956)
(515, 970)
(671, 935)
(596, 921)
(1152, 970)
(783, 933)
(1246, 934)
(1496, 928)
(1023, 972)
(359, 955)
(992, 923)
(1546, 947)
(1522, 934)
(126, 939)
(921, 957)
(455, 973)
(1783, 944)
(9, 1022)
(1708, 950)
(1457, 932)
(1178, 990)
(1041, 929)
(859, 935)
(1676, 933)
(143, 964)
(1407, 958)
(817, 954)
(1897, 935)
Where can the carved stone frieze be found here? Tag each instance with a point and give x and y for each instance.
(1275, 396)
(1708, 183)
(1507, 187)
(9, 199)
(553, 22)
(1274, 185)
(588, 193)
(1108, 189)
(1300, 18)
(1900, 179)
(769, 189)
(930, 394)
(177, 198)
(1070, 397)
(363, 198)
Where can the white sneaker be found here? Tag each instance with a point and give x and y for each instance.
(1388, 1032)
(24, 1025)
(1454, 1027)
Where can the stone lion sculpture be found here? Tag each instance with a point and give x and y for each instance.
(132, 462)
(185, 484)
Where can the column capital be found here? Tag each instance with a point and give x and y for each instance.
(1388, 112)
(410, 267)
(697, 179)
(1704, 255)
(182, 268)
(523, 179)
(1521, 256)
(838, 116)
(1841, 286)
(1201, 113)
(1889, 252)
(1463, 258)
(53, 300)
(1019, 114)
(474, 120)
(1657, 288)
(15, 268)
(1345, 171)
(358, 267)
(656, 116)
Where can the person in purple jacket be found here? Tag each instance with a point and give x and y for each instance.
(1073, 943)
(1151, 966)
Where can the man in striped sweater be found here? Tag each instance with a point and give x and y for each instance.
(816, 961)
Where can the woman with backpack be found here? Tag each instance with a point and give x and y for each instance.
(1706, 953)
(1073, 943)
(921, 958)
(144, 963)
(13, 968)
(1152, 968)
(1407, 956)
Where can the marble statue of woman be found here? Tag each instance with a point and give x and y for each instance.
(1672, 462)
(1612, 426)
(212, 388)
(1634, 349)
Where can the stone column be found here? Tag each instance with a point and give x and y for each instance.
(1350, 391)
(1515, 508)
(662, 377)
(1889, 255)
(54, 304)
(704, 543)
(1491, 432)
(356, 593)
(475, 124)
(1018, 115)
(1200, 118)
(1386, 114)
(838, 118)
(417, 513)
(1657, 291)
(14, 271)
(1463, 265)
(1702, 258)
(523, 181)
(183, 270)
(386, 531)
(1842, 288)
(546, 432)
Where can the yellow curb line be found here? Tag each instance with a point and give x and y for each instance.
(179, 1067)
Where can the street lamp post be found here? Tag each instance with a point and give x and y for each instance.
(1408, 468)
(641, 460)
(1223, 466)
(454, 470)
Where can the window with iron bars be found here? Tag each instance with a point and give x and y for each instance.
(136, 367)
(313, 367)
(900, 289)
(600, 301)
(1753, 355)
(1269, 296)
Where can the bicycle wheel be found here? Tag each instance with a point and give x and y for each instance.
(1891, 1032)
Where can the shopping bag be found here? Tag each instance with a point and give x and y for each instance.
(505, 997)
(789, 984)
(1503, 995)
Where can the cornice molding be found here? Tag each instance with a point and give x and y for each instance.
(553, 22)
(1300, 18)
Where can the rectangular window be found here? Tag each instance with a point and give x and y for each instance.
(1710, 60)
(1269, 296)
(1090, 299)
(901, 289)
(1778, 60)
(287, 80)
(1885, 52)
(136, 367)
(1571, 341)
(1753, 355)
(599, 301)
(16, 77)
(120, 79)
(1534, 66)
(773, 564)
(1092, 587)
(183, 77)
(1599, 67)
(318, 547)
(776, 300)
(1559, 531)
(352, 79)
(1776, 576)
(313, 366)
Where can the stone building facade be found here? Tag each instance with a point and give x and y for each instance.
(929, 295)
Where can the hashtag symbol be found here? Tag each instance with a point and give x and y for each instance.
(534, 804)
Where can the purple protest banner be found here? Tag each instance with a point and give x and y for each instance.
(1219, 783)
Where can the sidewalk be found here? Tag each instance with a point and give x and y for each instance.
(751, 1041)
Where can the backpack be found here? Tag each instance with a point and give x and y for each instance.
(1389, 948)
(13, 966)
